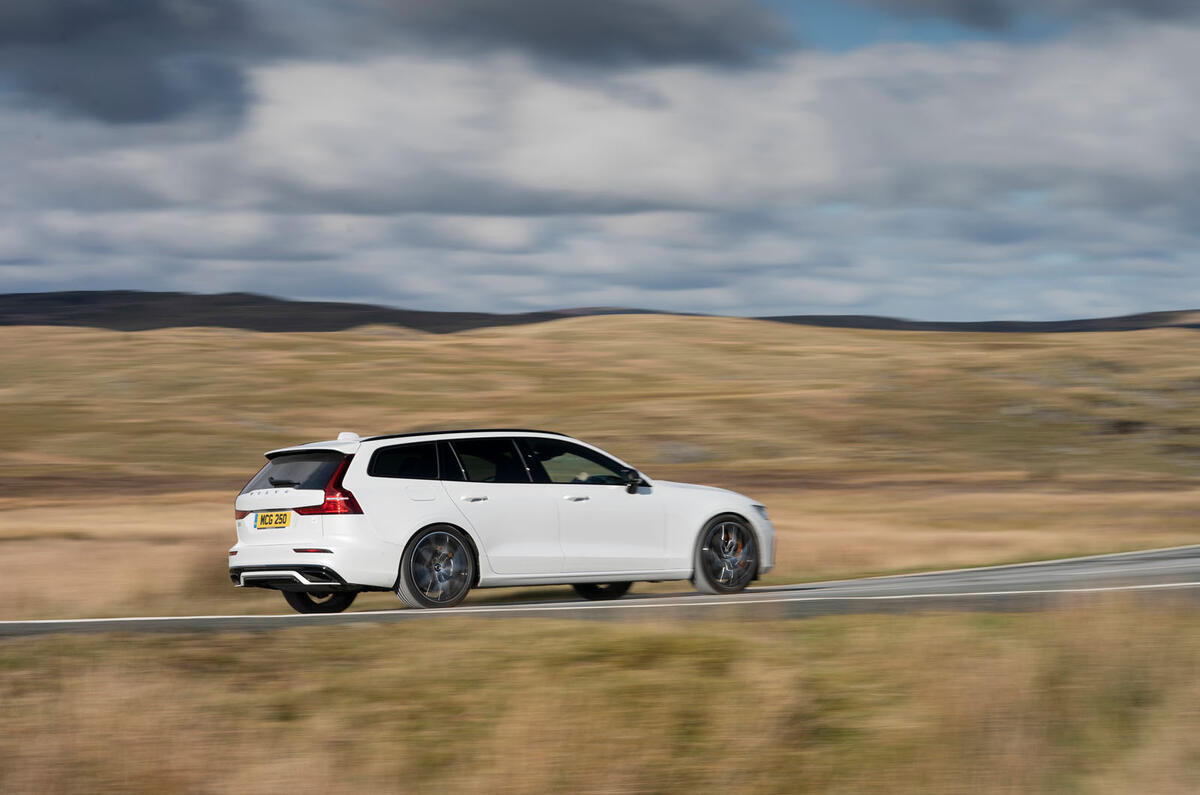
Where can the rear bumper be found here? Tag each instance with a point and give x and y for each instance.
(289, 578)
(345, 566)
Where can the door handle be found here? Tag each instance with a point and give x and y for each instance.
(474, 499)
(573, 498)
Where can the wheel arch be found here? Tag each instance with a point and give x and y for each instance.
(737, 515)
(472, 542)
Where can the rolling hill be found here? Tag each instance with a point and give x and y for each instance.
(133, 310)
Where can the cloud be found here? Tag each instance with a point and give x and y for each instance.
(144, 61)
(963, 182)
(66, 22)
(1094, 121)
(616, 31)
(124, 61)
(1002, 14)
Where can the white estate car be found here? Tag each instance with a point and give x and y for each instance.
(431, 515)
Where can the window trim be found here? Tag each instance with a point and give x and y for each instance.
(444, 446)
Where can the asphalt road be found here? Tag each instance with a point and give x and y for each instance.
(1020, 587)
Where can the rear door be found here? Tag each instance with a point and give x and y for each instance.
(602, 527)
(399, 490)
(288, 481)
(515, 519)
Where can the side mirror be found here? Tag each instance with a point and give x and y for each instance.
(632, 480)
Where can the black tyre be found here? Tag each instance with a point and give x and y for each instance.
(600, 591)
(437, 569)
(726, 559)
(334, 602)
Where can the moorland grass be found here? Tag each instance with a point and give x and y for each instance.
(876, 451)
(1101, 697)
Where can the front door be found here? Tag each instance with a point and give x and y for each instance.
(602, 527)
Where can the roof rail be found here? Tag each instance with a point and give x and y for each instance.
(437, 432)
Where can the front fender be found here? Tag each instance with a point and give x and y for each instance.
(689, 508)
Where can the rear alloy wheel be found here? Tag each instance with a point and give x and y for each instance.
(726, 556)
(437, 570)
(600, 591)
(330, 602)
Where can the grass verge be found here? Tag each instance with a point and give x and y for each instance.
(1098, 697)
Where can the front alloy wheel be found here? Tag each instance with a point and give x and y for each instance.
(437, 569)
(726, 556)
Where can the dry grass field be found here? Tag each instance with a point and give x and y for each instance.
(1100, 698)
(876, 451)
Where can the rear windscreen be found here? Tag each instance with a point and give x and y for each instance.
(311, 470)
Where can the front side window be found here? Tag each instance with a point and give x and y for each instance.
(414, 461)
(560, 461)
(491, 460)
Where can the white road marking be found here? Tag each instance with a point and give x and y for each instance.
(969, 569)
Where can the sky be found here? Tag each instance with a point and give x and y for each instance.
(926, 159)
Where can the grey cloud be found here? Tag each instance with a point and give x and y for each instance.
(437, 191)
(936, 266)
(1001, 14)
(158, 22)
(916, 181)
(125, 61)
(120, 88)
(647, 31)
(476, 141)
(134, 61)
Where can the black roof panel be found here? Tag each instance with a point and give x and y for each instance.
(464, 430)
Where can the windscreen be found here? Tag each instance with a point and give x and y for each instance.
(308, 470)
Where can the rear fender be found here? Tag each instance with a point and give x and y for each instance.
(471, 541)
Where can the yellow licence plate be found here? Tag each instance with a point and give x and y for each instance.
(271, 520)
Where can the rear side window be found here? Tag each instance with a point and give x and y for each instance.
(491, 461)
(416, 461)
(307, 470)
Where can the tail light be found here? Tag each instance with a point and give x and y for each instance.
(240, 514)
(337, 498)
